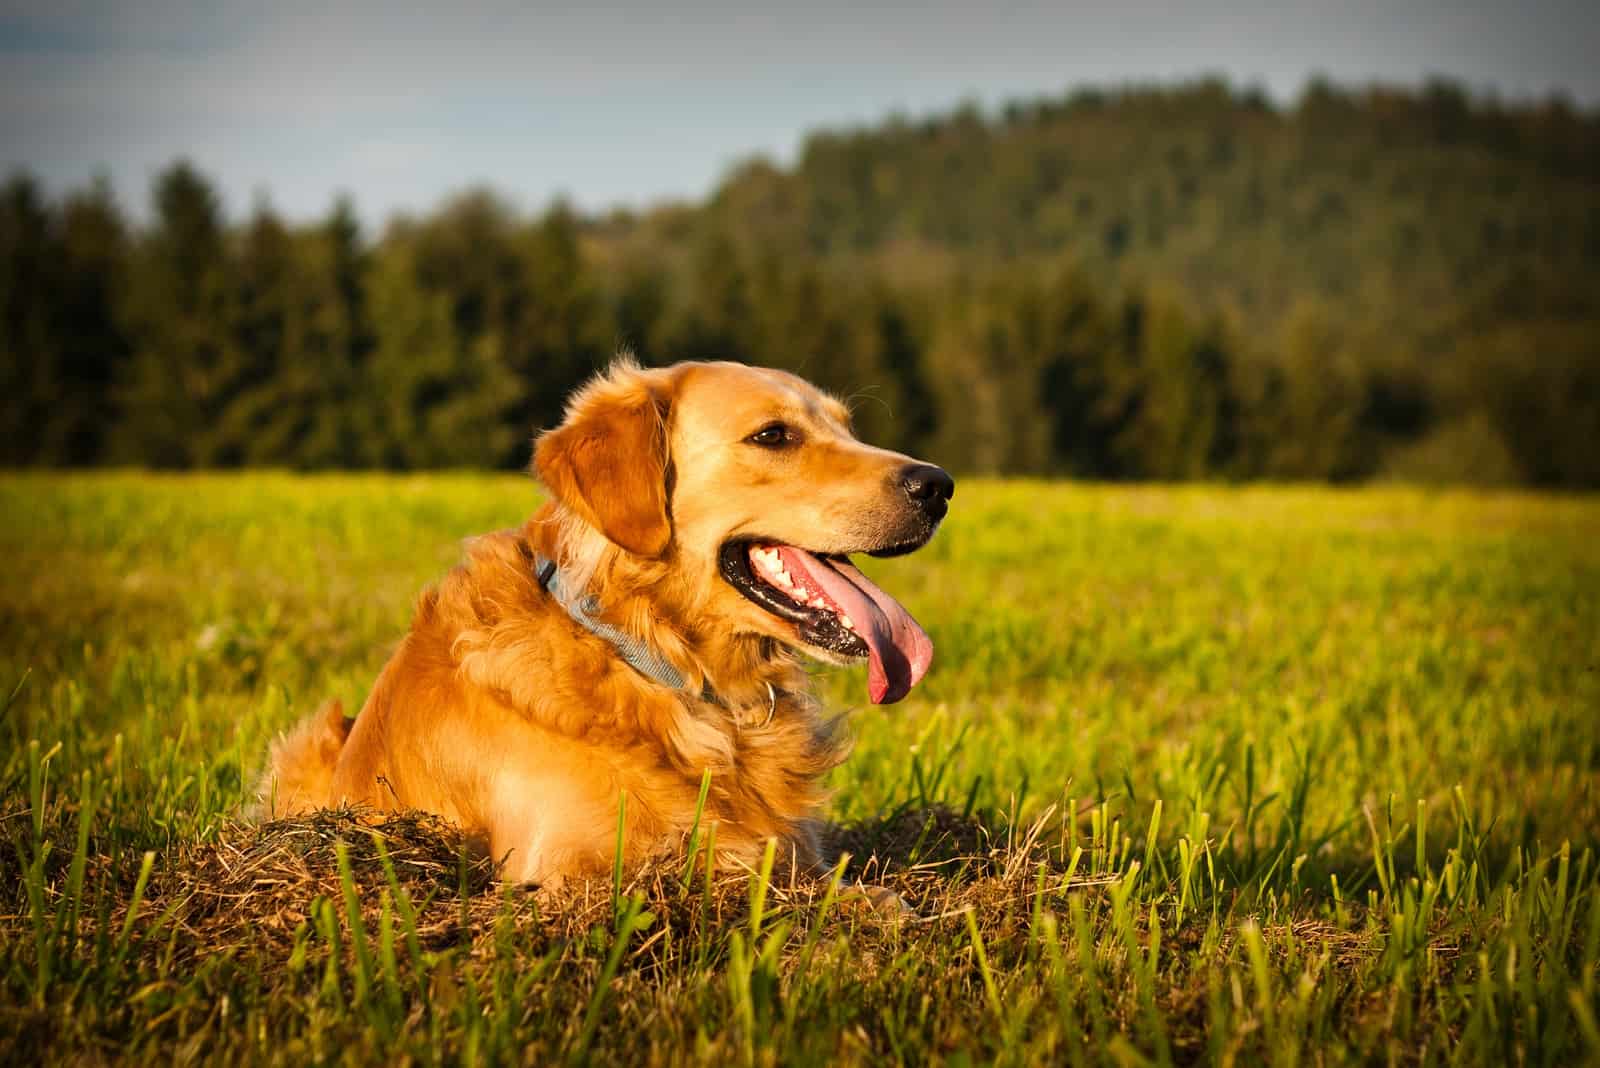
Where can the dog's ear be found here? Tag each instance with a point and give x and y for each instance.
(607, 461)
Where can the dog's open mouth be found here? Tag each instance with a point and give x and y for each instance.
(834, 607)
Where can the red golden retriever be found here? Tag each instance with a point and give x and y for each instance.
(645, 626)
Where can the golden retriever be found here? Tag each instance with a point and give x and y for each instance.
(644, 627)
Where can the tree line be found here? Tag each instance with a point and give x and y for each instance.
(1166, 283)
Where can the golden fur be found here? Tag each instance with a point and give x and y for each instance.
(502, 714)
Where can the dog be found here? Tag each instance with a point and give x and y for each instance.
(647, 626)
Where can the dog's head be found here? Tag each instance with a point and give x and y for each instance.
(748, 484)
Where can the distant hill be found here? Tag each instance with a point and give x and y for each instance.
(1384, 200)
(1429, 235)
(1143, 283)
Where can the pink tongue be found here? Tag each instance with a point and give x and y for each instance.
(900, 649)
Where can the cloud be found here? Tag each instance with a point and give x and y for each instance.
(398, 103)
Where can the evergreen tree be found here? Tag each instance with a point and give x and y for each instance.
(92, 343)
(29, 296)
(185, 367)
(436, 397)
(552, 335)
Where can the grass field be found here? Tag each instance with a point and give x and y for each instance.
(1286, 775)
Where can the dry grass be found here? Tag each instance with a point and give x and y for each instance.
(255, 885)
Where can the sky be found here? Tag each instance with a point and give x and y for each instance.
(400, 105)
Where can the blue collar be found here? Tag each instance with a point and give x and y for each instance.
(582, 608)
(638, 655)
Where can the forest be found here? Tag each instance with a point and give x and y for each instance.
(1173, 283)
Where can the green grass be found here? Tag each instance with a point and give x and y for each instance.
(1199, 774)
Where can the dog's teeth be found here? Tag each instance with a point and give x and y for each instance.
(849, 624)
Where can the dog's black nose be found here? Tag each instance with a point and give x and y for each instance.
(928, 485)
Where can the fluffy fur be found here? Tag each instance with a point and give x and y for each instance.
(500, 713)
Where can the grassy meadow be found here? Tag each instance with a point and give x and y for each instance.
(1286, 775)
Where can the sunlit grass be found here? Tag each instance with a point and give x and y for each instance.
(1198, 774)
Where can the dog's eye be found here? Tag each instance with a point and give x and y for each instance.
(773, 436)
